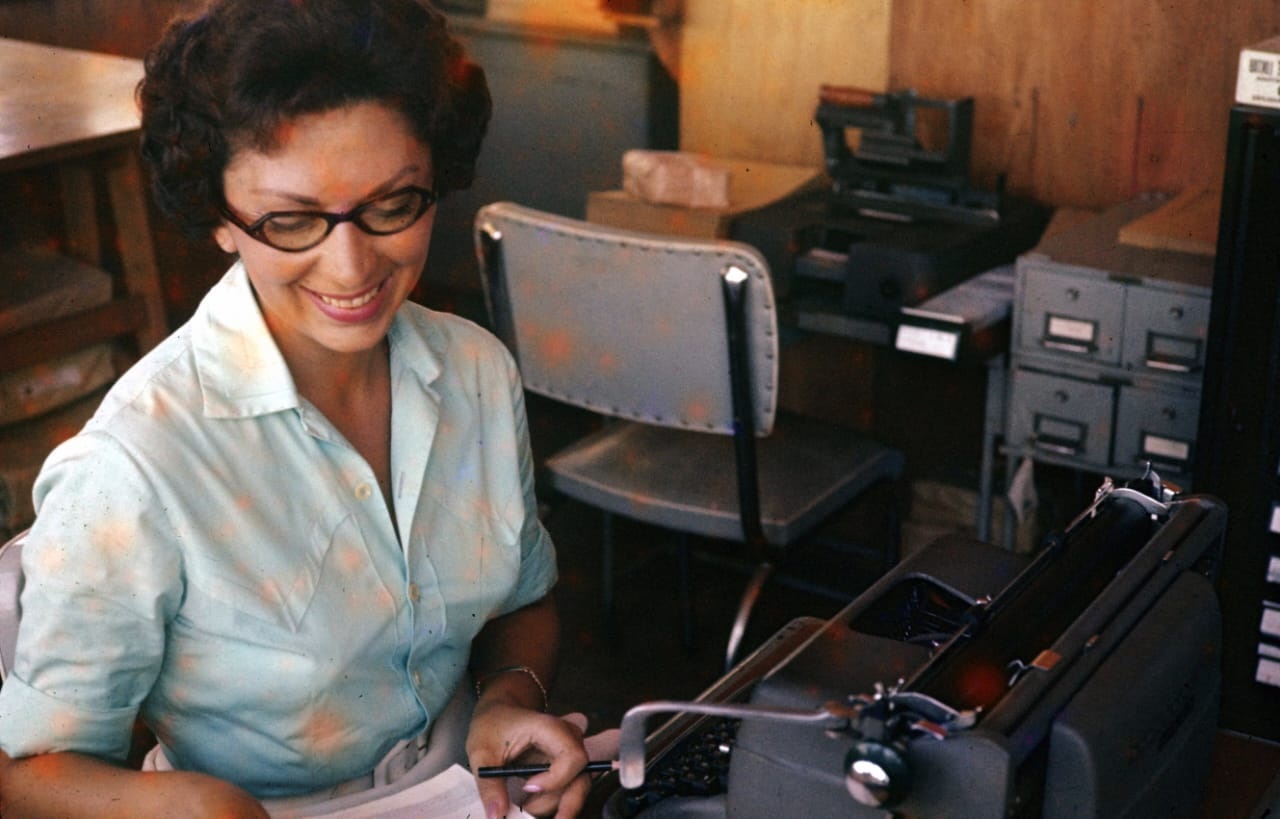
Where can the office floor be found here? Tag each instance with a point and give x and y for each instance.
(609, 666)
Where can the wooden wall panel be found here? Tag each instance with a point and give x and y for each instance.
(579, 14)
(1085, 103)
(1082, 103)
(750, 71)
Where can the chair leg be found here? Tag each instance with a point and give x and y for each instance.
(606, 571)
(684, 590)
(893, 522)
(745, 607)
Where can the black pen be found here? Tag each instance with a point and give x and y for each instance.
(597, 766)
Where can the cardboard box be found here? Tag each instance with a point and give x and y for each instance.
(1187, 223)
(1258, 78)
(751, 185)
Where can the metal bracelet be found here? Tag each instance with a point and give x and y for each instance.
(522, 669)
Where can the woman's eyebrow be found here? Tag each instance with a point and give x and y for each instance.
(311, 202)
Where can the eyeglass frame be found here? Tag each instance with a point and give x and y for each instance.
(257, 231)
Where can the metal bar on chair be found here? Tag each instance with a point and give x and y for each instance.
(496, 298)
(734, 288)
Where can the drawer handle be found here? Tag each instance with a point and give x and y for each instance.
(1070, 347)
(1060, 436)
(1168, 366)
(1056, 446)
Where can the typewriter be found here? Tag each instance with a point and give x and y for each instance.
(969, 681)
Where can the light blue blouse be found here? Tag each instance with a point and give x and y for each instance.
(210, 552)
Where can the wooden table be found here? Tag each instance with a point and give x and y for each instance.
(75, 111)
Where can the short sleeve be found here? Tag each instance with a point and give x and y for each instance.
(102, 578)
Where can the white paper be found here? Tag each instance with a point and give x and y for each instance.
(1022, 495)
(451, 794)
(1268, 672)
(1270, 624)
(928, 341)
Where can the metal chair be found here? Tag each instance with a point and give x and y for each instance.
(10, 589)
(677, 340)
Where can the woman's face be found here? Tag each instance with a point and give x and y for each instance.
(339, 296)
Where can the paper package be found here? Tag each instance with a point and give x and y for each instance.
(675, 178)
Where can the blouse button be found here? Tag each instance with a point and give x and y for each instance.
(417, 679)
(415, 593)
(363, 491)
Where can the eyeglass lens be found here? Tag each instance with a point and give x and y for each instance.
(390, 214)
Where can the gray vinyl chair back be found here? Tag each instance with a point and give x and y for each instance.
(626, 324)
(10, 590)
(674, 338)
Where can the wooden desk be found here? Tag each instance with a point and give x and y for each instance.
(75, 111)
(751, 185)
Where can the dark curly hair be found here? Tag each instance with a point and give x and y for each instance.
(226, 79)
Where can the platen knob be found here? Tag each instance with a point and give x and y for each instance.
(876, 774)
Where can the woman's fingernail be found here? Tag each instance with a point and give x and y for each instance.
(491, 810)
(529, 787)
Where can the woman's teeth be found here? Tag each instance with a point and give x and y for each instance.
(350, 304)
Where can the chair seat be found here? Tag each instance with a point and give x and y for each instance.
(808, 469)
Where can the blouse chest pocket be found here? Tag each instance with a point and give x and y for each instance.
(252, 578)
(472, 543)
(472, 514)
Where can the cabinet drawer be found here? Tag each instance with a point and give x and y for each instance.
(1061, 416)
(1165, 331)
(1071, 315)
(1158, 427)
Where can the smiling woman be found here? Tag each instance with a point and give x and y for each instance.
(326, 283)
(212, 552)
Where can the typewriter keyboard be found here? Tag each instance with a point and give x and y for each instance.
(698, 765)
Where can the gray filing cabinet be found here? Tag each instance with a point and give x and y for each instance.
(566, 106)
(1108, 350)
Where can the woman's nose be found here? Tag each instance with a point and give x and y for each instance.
(349, 253)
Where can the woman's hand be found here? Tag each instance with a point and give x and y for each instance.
(502, 733)
(513, 658)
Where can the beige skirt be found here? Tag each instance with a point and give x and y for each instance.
(411, 761)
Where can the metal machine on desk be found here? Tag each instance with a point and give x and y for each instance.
(899, 222)
(904, 164)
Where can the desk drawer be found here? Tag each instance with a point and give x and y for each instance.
(1061, 416)
(1159, 427)
(1071, 315)
(1165, 331)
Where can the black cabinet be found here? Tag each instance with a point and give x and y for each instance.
(1238, 446)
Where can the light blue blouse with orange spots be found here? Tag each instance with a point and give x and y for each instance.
(211, 553)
